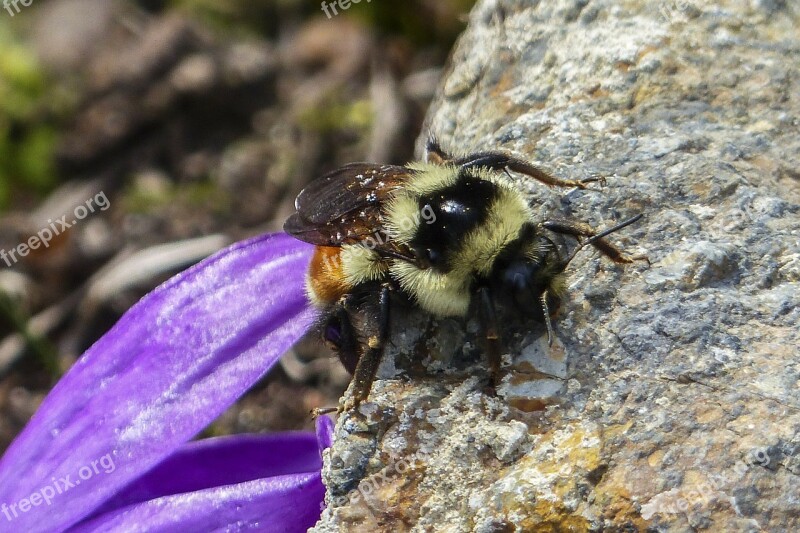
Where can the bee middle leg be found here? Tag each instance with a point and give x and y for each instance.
(369, 362)
(487, 318)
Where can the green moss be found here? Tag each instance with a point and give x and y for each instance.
(240, 16)
(423, 22)
(27, 136)
(420, 21)
(35, 158)
(5, 189)
(142, 201)
(205, 195)
(44, 352)
(220, 13)
(333, 115)
(21, 83)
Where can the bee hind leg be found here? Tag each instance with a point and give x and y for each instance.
(369, 362)
(340, 335)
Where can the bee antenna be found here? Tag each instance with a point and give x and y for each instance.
(604, 233)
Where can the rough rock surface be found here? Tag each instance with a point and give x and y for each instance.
(670, 398)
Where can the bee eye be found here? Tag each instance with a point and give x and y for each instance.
(519, 277)
(518, 281)
(333, 333)
(434, 257)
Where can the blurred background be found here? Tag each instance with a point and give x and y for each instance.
(168, 129)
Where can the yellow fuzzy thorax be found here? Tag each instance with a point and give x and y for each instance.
(447, 293)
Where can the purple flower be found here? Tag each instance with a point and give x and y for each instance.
(107, 450)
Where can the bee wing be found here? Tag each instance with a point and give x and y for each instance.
(344, 206)
(350, 188)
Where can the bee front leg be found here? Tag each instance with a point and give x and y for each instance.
(369, 362)
(581, 229)
(487, 318)
(500, 161)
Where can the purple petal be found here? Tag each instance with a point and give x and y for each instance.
(169, 367)
(324, 432)
(222, 461)
(284, 504)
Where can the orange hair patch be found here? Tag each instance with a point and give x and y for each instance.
(326, 282)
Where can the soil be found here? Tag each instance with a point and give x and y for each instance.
(181, 123)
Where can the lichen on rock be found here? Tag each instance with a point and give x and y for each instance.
(669, 400)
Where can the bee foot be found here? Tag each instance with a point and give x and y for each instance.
(319, 411)
(598, 179)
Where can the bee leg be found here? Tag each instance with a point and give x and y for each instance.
(319, 411)
(580, 229)
(501, 161)
(340, 335)
(546, 312)
(369, 362)
(487, 317)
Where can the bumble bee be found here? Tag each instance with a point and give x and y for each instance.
(451, 235)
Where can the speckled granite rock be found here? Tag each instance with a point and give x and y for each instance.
(670, 400)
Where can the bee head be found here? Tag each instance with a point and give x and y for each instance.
(526, 270)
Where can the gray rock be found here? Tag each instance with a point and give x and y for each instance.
(669, 400)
